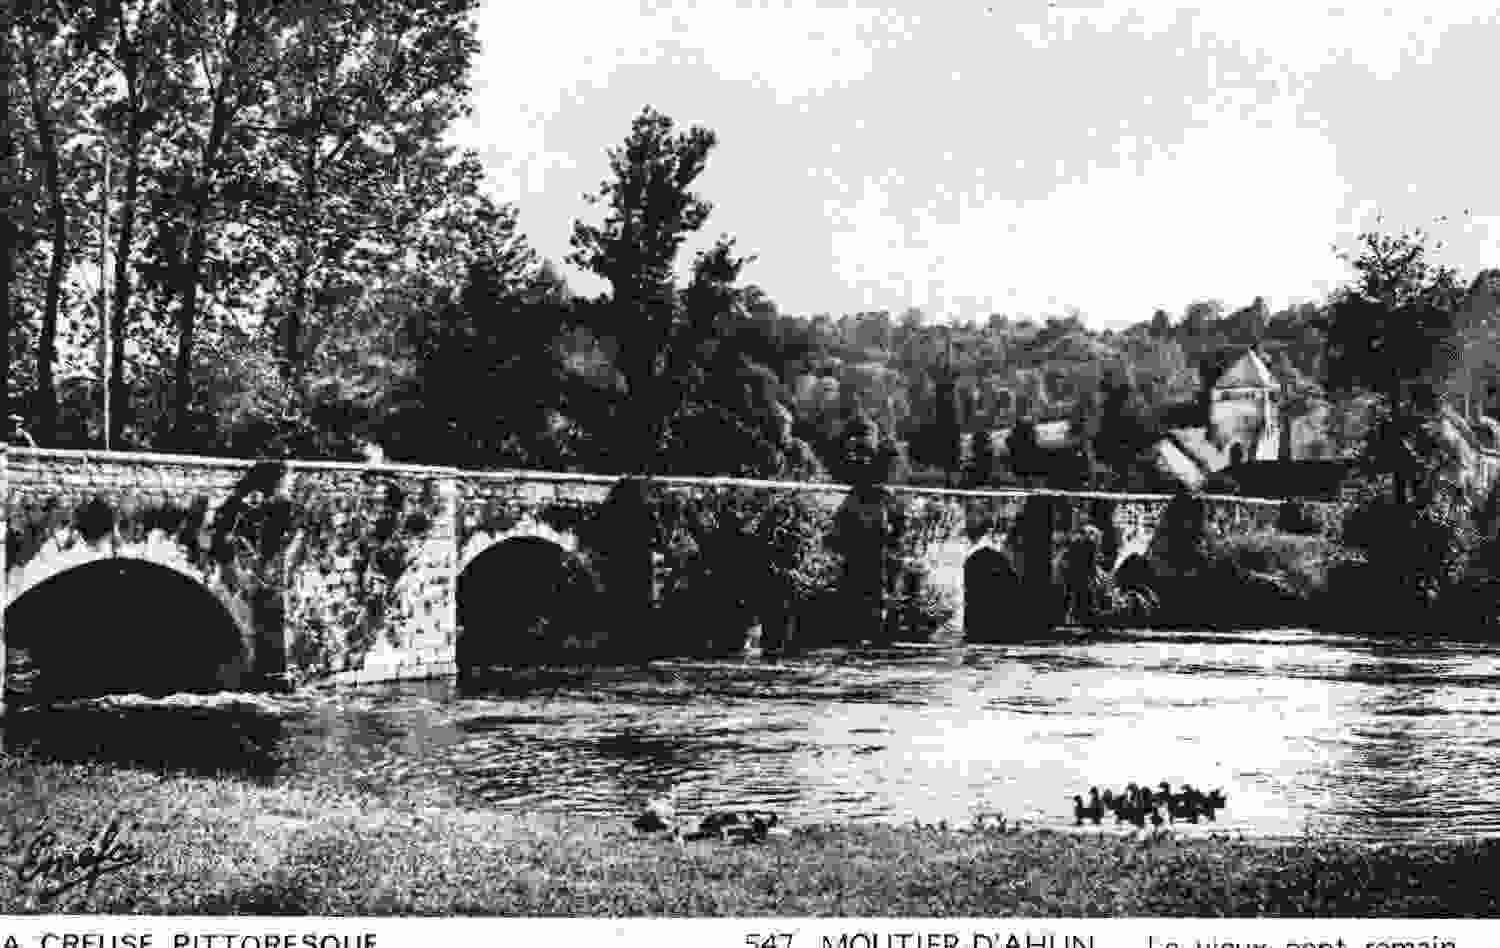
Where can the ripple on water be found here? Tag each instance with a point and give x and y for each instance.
(1352, 737)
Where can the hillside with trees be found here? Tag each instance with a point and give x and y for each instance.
(299, 265)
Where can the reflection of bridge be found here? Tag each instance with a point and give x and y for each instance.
(350, 570)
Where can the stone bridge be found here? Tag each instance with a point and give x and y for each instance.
(159, 573)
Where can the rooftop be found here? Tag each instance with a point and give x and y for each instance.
(1247, 371)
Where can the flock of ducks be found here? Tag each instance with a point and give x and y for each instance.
(1138, 804)
(660, 816)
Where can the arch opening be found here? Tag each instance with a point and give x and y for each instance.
(119, 626)
(524, 601)
(992, 594)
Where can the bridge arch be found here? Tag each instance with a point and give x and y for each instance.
(96, 618)
(528, 528)
(68, 549)
(522, 600)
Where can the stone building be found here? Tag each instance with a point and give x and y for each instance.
(1243, 411)
(1243, 424)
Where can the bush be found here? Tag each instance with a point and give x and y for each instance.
(732, 559)
(1303, 561)
(914, 609)
(1415, 551)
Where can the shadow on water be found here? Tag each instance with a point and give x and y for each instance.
(166, 736)
(77, 675)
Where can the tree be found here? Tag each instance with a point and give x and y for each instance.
(1248, 326)
(1200, 317)
(650, 211)
(867, 457)
(13, 202)
(132, 38)
(1123, 430)
(939, 444)
(496, 336)
(1027, 459)
(58, 80)
(981, 459)
(1478, 335)
(1392, 332)
(1161, 324)
(353, 144)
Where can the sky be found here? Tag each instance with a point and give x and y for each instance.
(1014, 156)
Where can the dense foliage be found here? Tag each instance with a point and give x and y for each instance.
(411, 312)
(302, 266)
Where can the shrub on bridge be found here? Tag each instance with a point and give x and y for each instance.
(913, 607)
(1303, 560)
(1414, 556)
(730, 559)
(1439, 539)
(1271, 577)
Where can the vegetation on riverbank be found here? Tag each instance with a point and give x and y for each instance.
(222, 845)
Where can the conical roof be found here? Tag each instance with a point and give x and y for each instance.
(1248, 371)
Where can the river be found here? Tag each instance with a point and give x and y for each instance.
(1305, 732)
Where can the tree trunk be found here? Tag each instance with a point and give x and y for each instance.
(190, 273)
(1398, 414)
(119, 406)
(44, 404)
(296, 319)
(10, 238)
(187, 318)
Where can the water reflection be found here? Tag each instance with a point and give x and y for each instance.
(1342, 736)
(169, 736)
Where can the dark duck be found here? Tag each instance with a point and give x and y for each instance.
(746, 827)
(1093, 810)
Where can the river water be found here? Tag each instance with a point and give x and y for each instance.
(1304, 732)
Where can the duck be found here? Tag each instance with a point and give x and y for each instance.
(754, 828)
(1187, 805)
(747, 827)
(1164, 796)
(1096, 805)
(1133, 806)
(1094, 810)
(659, 815)
(1204, 804)
(1213, 802)
(1121, 804)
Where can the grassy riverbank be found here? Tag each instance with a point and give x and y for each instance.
(222, 845)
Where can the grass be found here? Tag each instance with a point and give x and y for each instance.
(222, 845)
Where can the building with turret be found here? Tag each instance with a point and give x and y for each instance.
(1242, 422)
(1244, 406)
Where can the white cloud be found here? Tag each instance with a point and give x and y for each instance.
(537, 55)
(1232, 212)
(1489, 243)
(1299, 36)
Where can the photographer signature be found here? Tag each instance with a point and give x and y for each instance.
(58, 869)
